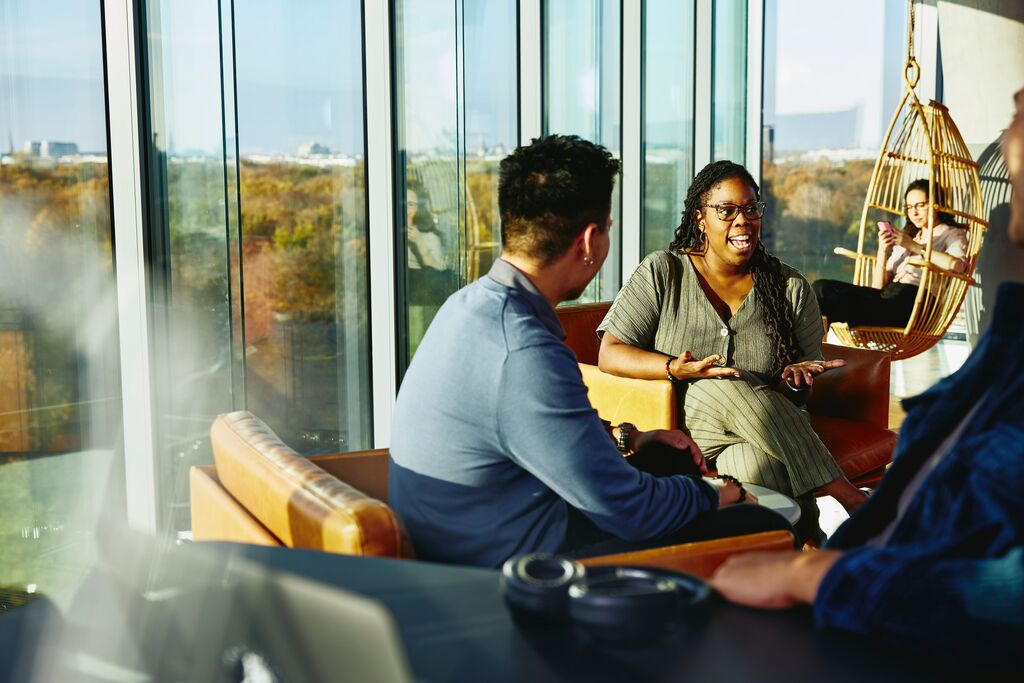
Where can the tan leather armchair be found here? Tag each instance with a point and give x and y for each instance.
(849, 406)
(260, 491)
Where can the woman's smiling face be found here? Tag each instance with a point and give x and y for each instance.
(732, 242)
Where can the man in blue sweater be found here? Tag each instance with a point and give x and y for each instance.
(935, 558)
(495, 448)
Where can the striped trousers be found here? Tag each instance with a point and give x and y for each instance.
(756, 434)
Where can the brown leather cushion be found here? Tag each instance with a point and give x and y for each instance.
(580, 323)
(858, 448)
(301, 504)
(858, 391)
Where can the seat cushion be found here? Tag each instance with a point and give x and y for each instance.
(857, 447)
(216, 516)
(298, 502)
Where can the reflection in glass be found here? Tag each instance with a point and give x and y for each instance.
(59, 383)
(257, 190)
(668, 117)
(729, 81)
(582, 96)
(823, 125)
(189, 205)
(303, 221)
(455, 82)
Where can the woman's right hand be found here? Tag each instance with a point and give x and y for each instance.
(688, 367)
(887, 237)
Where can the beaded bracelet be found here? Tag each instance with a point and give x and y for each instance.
(733, 480)
(668, 369)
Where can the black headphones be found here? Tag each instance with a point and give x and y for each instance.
(613, 602)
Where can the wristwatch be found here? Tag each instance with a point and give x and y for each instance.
(625, 429)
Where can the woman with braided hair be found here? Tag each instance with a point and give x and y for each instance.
(740, 333)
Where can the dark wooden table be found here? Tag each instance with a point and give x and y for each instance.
(455, 627)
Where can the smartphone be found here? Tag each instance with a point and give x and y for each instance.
(885, 226)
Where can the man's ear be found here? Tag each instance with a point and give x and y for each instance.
(585, 240)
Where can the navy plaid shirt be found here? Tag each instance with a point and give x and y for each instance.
(951, 576)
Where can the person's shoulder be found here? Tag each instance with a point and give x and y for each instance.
(520, 325)
(660, 264)
(662, 259)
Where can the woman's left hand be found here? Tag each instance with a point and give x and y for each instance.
(675, 438)
(801, 375)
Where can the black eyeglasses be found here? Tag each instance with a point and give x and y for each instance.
(728, 212)
(920, 207)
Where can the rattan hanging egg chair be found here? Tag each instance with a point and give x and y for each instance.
(922, 141)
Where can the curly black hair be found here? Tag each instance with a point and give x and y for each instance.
(550, 190)
(764, 267)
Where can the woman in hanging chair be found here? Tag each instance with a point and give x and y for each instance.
(740, 334)
(890, 300)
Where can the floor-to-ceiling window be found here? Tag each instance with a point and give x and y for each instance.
(257, 220)
(668, 64)
(729, 81)
(59, 370)
(582, 95)
(831, 83)
(456, 107)
(298, 68)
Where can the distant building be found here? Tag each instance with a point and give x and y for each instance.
(768, 144)
(50, 148)
(312, 149)
(57, 149)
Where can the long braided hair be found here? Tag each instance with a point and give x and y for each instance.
(765, 268)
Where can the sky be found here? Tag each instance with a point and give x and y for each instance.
(298, 67)
(826, 67)
(299, 72)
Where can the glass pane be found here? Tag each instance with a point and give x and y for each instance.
(668, 117)
(729, 81)
(457, 115)
(582, 96)
(189, 221)
(303, 215)
(259, 226)
(826, 108)
(59, 382)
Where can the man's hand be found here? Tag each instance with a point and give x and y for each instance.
(774, 580)
(801, 375)
(670, 437)
(688, 367)
(729, 493)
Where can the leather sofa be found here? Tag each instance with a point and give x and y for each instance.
(260, 491)
(849, 406)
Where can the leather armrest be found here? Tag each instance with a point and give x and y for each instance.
(647, 403)
(858, 391)
(702, 558)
